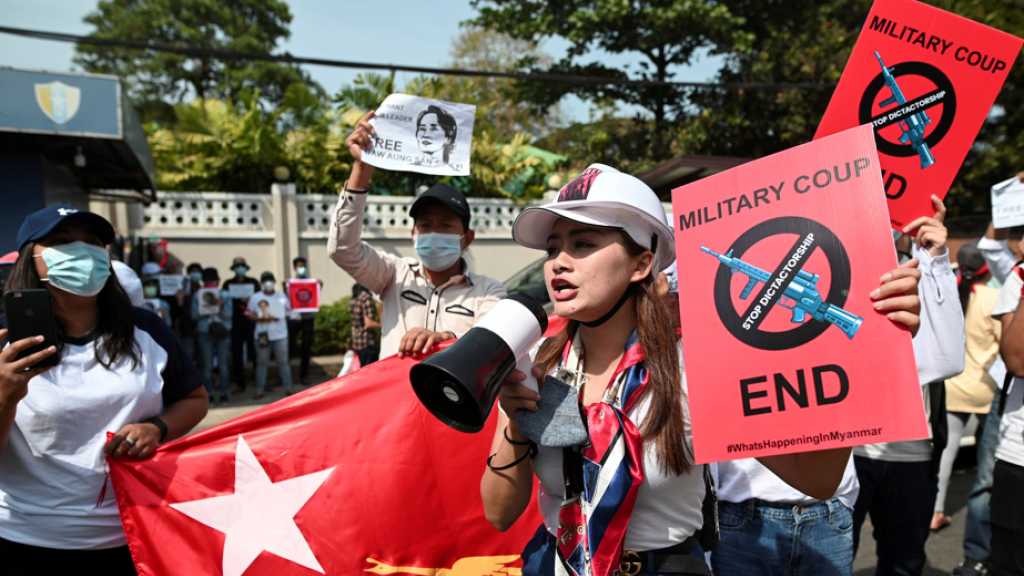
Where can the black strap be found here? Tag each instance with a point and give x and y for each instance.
(677, 559)
(610, 313)
(1004, 392)
(530, 452)
(709, 534)
(160, 424)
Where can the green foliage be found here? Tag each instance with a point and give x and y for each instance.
(663, 34)
(618, 142)
(216, 145)
(227, 125)
(332, 328)
(160, 79)
(792, 42)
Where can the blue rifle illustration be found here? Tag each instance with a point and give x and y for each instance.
(913, 125)
(802, 294)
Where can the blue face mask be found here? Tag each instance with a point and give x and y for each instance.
(438, 252)
(196, 277)
(79, 268)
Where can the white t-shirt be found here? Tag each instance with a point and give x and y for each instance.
(668, 508)
(741, 480)
(1011, 425)
(53, 469)
(938, 348)
(1009, 296)
(274, 306)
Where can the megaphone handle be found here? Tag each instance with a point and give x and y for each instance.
(525, 365)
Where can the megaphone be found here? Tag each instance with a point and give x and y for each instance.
(458, 385)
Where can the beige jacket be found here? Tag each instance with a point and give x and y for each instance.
(973, 389)
(409, 299)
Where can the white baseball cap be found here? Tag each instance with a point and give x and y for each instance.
(603, 196)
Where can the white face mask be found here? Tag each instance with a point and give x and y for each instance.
(438, 251)
(268, 287)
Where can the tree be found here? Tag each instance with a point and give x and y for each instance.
(796, 43)
(664, 34)
(217, 145)
(158, 80)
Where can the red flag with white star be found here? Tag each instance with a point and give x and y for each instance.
(352, 476)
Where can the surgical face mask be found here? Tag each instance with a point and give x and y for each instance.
(196, 277)
(78, 268)
(438, 251)
(150, 291)
(302, 271)
(240, 270)
(268, 286)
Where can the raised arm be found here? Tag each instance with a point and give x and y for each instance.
(994, 247)
(370, 267)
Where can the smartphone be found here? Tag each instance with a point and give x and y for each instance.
(30, 313)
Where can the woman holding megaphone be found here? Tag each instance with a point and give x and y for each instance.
(639, 511)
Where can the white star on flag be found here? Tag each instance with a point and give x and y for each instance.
(259, 515)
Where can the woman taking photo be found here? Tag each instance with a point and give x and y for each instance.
(640, 510)
(119, 370)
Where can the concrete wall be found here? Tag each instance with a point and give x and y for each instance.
(268, 230)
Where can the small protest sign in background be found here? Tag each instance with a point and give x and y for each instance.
(171, 284)
(209, 301)
(783, 349)
(1008, 203)
(304, 294)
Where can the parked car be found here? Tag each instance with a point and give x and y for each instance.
(530, 281)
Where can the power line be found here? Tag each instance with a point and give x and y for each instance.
(286, 58)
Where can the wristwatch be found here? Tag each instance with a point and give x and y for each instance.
(159, 423)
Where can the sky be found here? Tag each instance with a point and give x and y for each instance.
(339, 29)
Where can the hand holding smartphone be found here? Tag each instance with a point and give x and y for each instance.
(30, 313)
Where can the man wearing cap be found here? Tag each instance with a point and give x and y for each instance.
(426, 299)
(241, 328)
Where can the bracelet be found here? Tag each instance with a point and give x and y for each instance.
(515, 442)
(532, 451)
(352, 190)
(159, 423)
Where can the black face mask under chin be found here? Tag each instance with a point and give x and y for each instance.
(607, 316)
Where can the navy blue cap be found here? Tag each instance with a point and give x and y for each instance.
(448, 197)
(41, 222)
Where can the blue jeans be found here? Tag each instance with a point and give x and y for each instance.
(978, 530)
(284, 371)
(208, 350)
(765, 538)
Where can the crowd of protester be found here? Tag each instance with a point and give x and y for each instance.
(609, 253)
